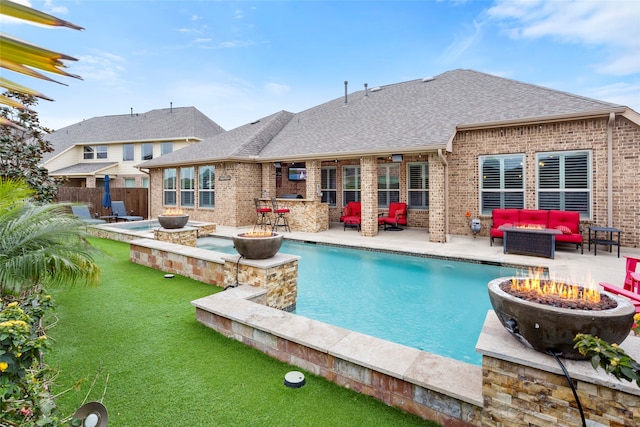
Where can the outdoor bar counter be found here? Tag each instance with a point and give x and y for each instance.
(308, 215)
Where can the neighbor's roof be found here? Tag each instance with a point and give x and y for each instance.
(83, 169)
(244, 142)
(162, 124)
(419, 113)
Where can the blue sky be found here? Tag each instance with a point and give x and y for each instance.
(239, 61)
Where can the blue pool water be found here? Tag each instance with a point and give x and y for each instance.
(434, 305)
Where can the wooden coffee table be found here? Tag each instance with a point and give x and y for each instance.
(529, 241)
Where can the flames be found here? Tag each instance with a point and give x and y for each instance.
(258, 233)
(534, 282)
(531, 226)
(173, 212)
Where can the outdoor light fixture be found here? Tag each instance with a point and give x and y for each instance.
(396, 157)
(277, 164)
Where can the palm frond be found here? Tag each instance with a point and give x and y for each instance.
(19, 11)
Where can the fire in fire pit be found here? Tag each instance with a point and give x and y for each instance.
(546, 315)
(173, 218)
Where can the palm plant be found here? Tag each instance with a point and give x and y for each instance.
(40, 245)
(22, 57)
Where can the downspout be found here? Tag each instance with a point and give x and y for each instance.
(443, 159)
(612, 118)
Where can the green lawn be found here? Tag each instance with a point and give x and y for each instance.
(166, 369)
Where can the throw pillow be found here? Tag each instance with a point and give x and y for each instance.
(347, 211)
(564, 229)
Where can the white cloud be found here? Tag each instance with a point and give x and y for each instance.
(462, 43)
(55, 10)
(103, 67)
(276, 89)
(618, 93)
(612, 25)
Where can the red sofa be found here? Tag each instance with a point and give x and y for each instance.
(566, 221)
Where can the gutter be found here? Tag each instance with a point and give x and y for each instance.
(610, 123)
(443, 159)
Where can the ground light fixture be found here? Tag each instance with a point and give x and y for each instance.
(92, 414)
(294, 379)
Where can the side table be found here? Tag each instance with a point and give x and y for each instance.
(604, 240)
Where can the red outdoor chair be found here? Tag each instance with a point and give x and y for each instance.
(397, 216)
(262, 214)
(631, 277)
(281, 216)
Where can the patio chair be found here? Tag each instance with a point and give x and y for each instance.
(82, 212)
(120, 212)
(262, 218)
(397, 216)
(632, 296)
(632, 279)
(281, 216)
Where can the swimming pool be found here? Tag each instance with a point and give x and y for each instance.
(430, 304)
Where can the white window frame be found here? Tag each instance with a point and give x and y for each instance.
(356, 190)
(328, 186)
(385, 186)
(502, 191)
(207, 190)
(562, 190)
(169, 187)
(422, 187)
(187, 186)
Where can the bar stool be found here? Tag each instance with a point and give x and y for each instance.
(262, 219)
(280, 214)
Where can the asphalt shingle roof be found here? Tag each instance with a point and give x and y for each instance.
(164, 124)
(422, 112)
(83, 168)
(242, 142)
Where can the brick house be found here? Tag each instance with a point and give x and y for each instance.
(113, 145)
(459, 142)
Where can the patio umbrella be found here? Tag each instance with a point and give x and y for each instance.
(106, 199)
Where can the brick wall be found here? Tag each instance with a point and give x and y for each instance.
(562, 136)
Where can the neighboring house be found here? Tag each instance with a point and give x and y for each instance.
(114, 145)
(459, 142)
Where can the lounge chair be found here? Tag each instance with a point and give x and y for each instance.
(82, 212)
(631, 277)
(397, 216)
(632, 296)
(120, 212)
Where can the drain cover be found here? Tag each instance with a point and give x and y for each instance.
(294, 379)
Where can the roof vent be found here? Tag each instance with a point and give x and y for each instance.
(428, 79)
(254, 123)
(376, 89)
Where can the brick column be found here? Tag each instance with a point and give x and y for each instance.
(268, 180)
(437, 202)
(369, 196)
(314, 179)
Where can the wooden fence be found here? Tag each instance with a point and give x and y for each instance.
(135, 199)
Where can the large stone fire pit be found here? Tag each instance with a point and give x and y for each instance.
(173, 221)
(257, 245)
(545, 327)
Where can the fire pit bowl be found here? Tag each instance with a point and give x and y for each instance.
(544, 327)
(173, 221)
(257, 245)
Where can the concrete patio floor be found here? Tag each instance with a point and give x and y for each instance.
(568, 264)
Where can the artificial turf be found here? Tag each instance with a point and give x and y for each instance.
(136, 339)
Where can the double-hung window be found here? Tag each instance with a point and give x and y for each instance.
(147, 151)
(166, 148)
(418, 185)
(388, 184)
(187, 186)
(350, 184)
(501, 182)
(169, 186)
(564, 181)
(90, 152)
(127, 152)
(206, 186)
(328, 185)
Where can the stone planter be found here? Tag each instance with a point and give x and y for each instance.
(257, 247)
(545, 327)
(173, 221)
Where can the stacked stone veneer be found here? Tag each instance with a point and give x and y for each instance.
(277, 275)
(187, 236)
(523, 387)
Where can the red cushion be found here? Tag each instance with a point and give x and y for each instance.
(569, 219)
(347, 211)
(534, 216)
(504, 216)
